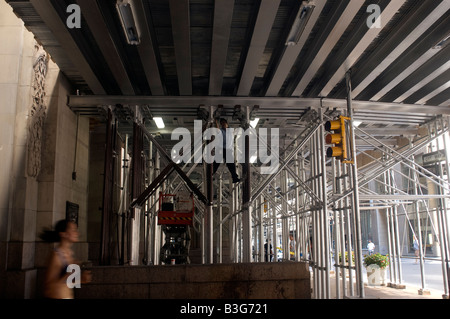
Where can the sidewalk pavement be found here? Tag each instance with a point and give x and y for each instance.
(411, 280)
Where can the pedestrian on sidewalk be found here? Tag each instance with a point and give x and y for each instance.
(56, 276)
(371, 247)
(416, 249)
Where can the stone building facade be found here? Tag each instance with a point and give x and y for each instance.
(44, 154)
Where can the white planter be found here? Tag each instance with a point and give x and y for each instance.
(376, 276)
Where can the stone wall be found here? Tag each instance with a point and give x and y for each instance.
(289, 280)
(42, 142)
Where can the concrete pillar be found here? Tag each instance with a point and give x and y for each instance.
(18, 193)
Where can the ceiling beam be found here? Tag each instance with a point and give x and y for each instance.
(437, 91)
(339, 28)
(179, 13)
(406, 72)
(422, 53)
(408, 40)
(146, 51)
(266, 16)
(291, 52)
(52, 20)
(415, 87)
(97, 25)
(446, 103)
(223, 15)
(430, 90)
(371, 34)
(271, 102)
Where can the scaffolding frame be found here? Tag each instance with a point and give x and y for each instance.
(316, 198)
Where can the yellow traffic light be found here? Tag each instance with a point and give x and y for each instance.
(338, 138)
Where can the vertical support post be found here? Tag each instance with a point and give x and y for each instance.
(284, 221)
(358, 248)
(318, 221)
(297, 208)
(149, 225)
(108, 182)
(209, 240)
(137, 188)
(231, 222)
(339, 269)
(209, 215)
(246, 195)
(123, 219)
(419, 239)
(394, 241)
(273, 254)
(315, 237)
(441, 211)
(397, 236)
(389, 237)
(261, 206)
(220, 230)
(326, 220)
(445, 221)
(348, 237)
(156, 228)
(397, 243)
(304, 219)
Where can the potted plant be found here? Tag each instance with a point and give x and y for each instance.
(346, 258)
(376, 268)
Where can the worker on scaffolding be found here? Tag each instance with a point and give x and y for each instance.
(227, 149)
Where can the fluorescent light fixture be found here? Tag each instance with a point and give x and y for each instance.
(130, 28)
(254, 122)
(299, 24)
(159, 122)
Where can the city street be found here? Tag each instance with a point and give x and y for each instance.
(411, 275)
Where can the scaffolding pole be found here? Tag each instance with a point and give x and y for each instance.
(355, 186)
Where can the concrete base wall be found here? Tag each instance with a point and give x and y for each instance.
(290, 280)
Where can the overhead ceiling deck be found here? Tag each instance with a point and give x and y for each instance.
(204, 52)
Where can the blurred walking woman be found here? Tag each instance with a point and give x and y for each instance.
(55, 285)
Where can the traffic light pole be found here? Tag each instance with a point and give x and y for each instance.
(356, 211)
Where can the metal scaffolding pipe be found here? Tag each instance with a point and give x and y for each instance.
(324, 213)
(446, 222)
(338, 255)
(273, 253)
(284, 221)
(208, 218)
(297, 209)
(148, 213)
(220, 225)
(442, 212)
(270, 178)
(421, 251)
(157, 233)
(348, 230)
(246, 197)
(261, 211)
(124, 202)
(390, 163)
(355, 186)
(394, 265)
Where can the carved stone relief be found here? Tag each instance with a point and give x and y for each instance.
(38, 111)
